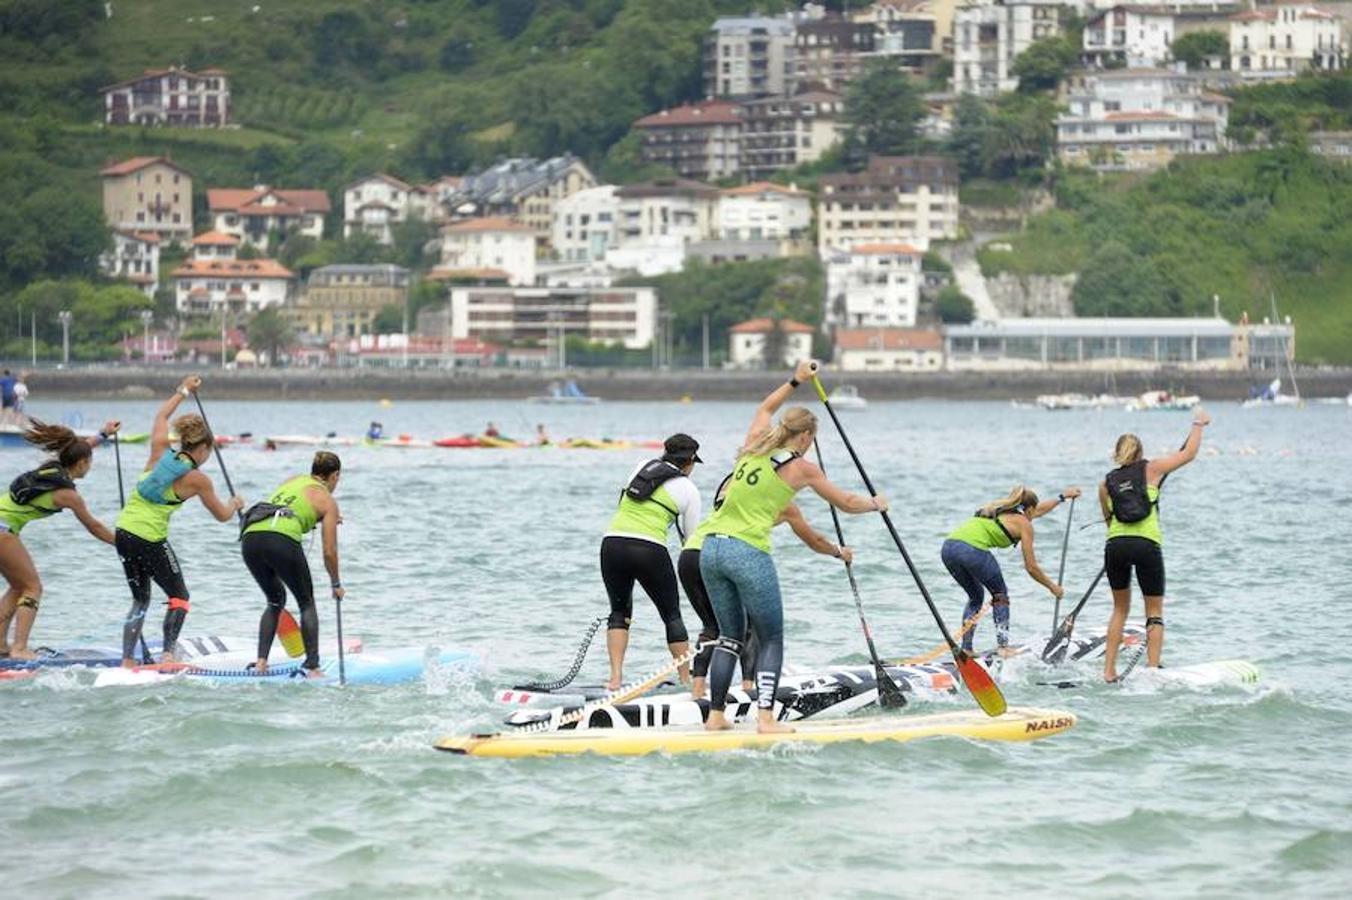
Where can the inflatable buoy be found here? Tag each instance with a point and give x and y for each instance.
(386, 403)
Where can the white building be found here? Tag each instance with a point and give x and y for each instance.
(1139, 119)
(1139, 36)
(585, 224)
(889, 350)
(748, 57)
(205, 287)
(253, 214)
(873, 285)
(375, 204)
(496, 243)
(659, 220)
(1285, 40)
(543, 315)
(135, 257)
(895, 200)
(990, 34)
(747, 340)
(211, 245)
(173, 97)
(764, 211)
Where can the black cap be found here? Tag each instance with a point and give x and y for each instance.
(681, 447)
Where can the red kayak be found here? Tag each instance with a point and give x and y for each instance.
(462, 441)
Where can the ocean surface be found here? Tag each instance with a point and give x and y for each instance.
(191, 790)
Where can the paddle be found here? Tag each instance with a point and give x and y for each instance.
(216, 448)
(1061, 570)
(1062, 633)
(338, 616)
(938, 651)
(889, 695)
(974, 675)
(121, 503)
(551, 686)
(558, 719)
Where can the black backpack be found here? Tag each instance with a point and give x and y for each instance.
(648, 479)
(1128, 490)
(31, 485)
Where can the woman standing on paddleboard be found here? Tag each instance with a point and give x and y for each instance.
(1129, 496)
(170, 479)
(967, 555)
(36, 494)
(271, 544)
(735, 561)
(658, 496)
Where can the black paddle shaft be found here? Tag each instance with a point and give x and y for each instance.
(220, 460)
(887, 520)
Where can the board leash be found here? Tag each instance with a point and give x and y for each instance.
(558, 719)
(582, 650)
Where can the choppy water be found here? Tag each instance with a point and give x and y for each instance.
(193, 790)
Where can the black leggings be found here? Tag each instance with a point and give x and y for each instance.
(625, 560)
(277, 562)
(143, 562)
(687, 567)
(1123, 554)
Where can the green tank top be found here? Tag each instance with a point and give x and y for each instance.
(148, 521)
(1149, 527)
(982, 533)
(649, 518)
(756, 496)
(293, 496)
(17, 515)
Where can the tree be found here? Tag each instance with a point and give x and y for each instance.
(883, 110)
(1117, 282)
(1042, 66)
(270, 334)
(972, 123)
(954, 307)
(411, 239)
(457, 55)
(1195, 47)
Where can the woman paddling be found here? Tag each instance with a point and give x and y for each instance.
(658, 496)
(170, 479)
(735, 561)
(967, 555)
(1129, 497)
(34, 495)
(271, 544)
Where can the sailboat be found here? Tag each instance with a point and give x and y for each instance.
(1272, 395)
(566, 393)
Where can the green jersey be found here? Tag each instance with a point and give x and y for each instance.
(292, 496)
(755, 498)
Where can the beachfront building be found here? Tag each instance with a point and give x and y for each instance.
(1283, 40)
(1116, 344)
(490, 245)
(895, 200)
(523, 189)
(545, 316)
(255, 214)
(173, 97)
(1139, 119)
(699, 140)
(988, 35)
(783, 132)
(585, 225)
(418, 351)
(148, 194)
(831, 51)
(748, 343)
(206, 287)
(134, 258)
(875, 285)
(375, 204)
(749, 56)
(1129, 35)
(889, 350)
(342, 301)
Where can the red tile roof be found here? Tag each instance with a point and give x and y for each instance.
(491, 223)
(215, 238)
(763, 326)
(245, 200)
(145, 237)
(710, 112)
(888, 339)
(137, 163)
(381, 176)
(232, 268)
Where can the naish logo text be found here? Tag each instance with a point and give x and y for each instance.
(1048, 724)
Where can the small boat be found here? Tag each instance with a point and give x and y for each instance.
(407, 441)
(566, 393)
(312, 440)
(846, 396)
(1162, 401)
(1272, 396)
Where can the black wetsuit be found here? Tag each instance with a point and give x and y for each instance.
(145, 562)
(625, 560)
(277, 562)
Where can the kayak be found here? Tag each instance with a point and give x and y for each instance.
(1017, 724)
(464, 440)
(497, 443)
(402, 440)
(312, 440)
(365, 668)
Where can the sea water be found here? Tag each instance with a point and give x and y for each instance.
(195, 790)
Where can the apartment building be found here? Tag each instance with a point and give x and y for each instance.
(763, 211)
(375, 204)
(658, 221)
(1137, 36)
(748, 57)
(255, 214)
(134, 258)
(545, 315)
(586, 225)
(1286, 39)
(341, 302)
(148, 194)
(873, 285)
(895, 200)
(700, 140)
(172, 97)
(912, 34)
(783, 132)
(490, 247)
(830, 52)
(989, 35)
(523, 189)
(206, 287)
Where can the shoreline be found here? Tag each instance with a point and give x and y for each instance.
(646, 385)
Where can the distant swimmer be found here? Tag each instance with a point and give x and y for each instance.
(375, 432)
(34, 495)
(271, 545)
(541, 437)
(966, 554)
(1129, 496)
(492, 431)
(735, 562)
(171, 478)
(658, 496)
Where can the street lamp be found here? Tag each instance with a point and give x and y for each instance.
(147, 316)
(64, 316)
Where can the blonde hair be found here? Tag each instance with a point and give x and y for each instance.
(1128, 450)
(192, 431)
(796, 420)
(1018, 498)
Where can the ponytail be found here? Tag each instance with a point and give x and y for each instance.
(1020, 498)
(192, 431)
(68, 447)
(1128, 450)
(795, 421)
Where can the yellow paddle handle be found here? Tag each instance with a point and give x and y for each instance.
(821, 391)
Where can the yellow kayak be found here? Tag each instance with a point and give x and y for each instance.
(1017, 724)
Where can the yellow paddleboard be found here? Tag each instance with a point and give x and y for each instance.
(1017, 724)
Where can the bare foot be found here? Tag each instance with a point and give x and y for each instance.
(717, 721)
(313, 673)
(698, 688)
(24, 653)
(261, 667)
(773, 727)
(748, 686)
(614, 683)
(1110, 678)
(129, 663)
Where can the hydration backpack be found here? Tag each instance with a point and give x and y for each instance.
(1127, 488)
(31, 485)
(648, 479)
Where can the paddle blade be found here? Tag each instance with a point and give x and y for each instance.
(980, 683)
(288, 632)
(889, 694)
